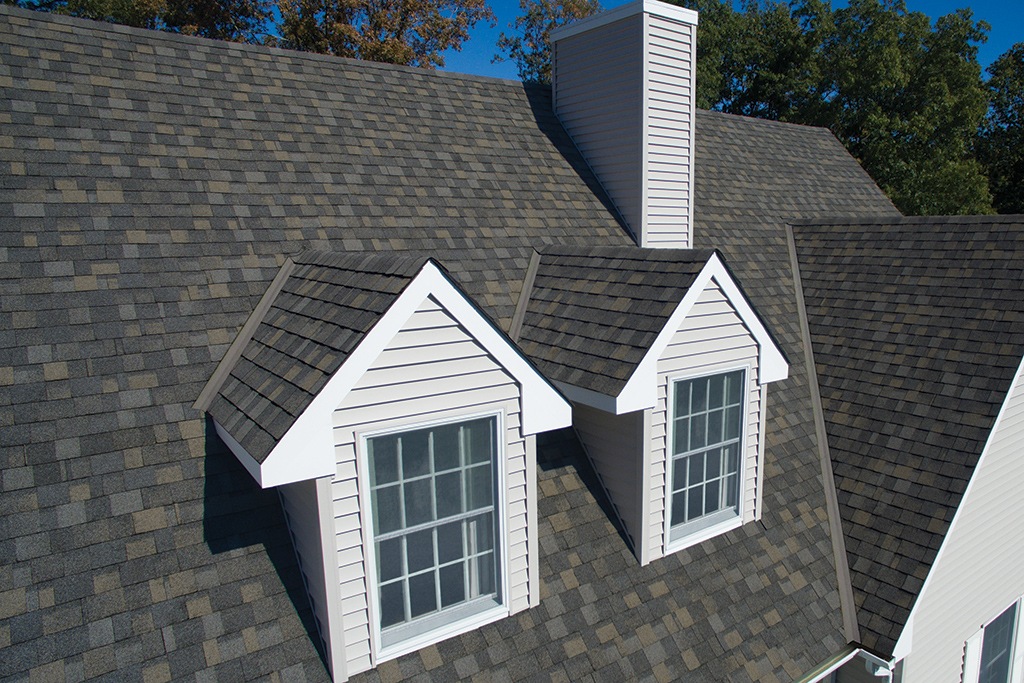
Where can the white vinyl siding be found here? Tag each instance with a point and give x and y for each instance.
(712, 338)
(597, 98)
(431, 370)
(978, 572)
(302, 512)
(670, 81)
(615, 446)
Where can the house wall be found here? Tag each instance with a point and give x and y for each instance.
(670, 80)
(711, 338)
(615, 446)
(978, 572)
(302, 512)
(597, 96)
(431, 370)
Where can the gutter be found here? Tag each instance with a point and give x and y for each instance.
(877, 667)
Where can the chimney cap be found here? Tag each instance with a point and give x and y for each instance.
(661, 9)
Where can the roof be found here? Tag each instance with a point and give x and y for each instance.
(153, 186)
(917, 326)
(326, 305)
(593, 312)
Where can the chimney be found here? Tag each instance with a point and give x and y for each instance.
(623, 86)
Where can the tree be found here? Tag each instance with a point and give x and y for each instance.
(1001, 147)
(530, 44)
(409, 32)
(243, 21)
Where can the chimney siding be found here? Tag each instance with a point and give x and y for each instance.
(623, 88)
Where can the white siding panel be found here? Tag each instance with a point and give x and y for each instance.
(597, 98)
(978, 572)
(711, 337)
(433, 369)
(614, 444)
(302, 513)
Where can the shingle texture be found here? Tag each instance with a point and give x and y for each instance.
(152, 186)
(594, 312)
(324, 309)
(917, 328)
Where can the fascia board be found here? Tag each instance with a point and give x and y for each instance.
(248, 462)
(587, 397)
(660, 9)
(640, 391)
(905, 643)
(306, 451)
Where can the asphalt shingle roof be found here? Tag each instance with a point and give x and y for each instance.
(593, 312)
(152, 187)
(918, 328)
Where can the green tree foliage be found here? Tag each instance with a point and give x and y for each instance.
(1001, 148)
(529, 43)
(235, 20)
(409, 32)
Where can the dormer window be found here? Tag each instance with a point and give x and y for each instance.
(707, 428)
(434, 496)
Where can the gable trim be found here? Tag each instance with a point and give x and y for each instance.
(904, 645)
(306, 451)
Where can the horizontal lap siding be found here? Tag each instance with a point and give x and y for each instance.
(712, 337)
(597, 98)
(432, 369)
(669, 132)
(303, 515)
(613, 443)
(978, 574)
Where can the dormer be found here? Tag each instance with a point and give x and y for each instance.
(398, 424)
(667, 366)
(623, 87)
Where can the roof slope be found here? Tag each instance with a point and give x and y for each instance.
(325, 307)
(918, 329)
(593, 312)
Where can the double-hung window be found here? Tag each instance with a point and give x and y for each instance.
(995, 654)
(707, 418)
(434, 497)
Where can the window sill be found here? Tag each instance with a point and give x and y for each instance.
(703, 535)
(441, 633)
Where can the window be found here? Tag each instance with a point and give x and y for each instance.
(707, 443)
(997, 648)
(434, 495)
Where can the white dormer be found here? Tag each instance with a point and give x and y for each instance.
(623, 87)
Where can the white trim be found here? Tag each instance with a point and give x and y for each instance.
(306, 451)
(661, 9)
(329, 556)
(722, 527)
(761, 448)
(379, 653)
(641, 389)
(905, 643)
(643, 239)
(972, 657)
(532, 534)
(820, 678)
(691, 138)
(643, 543)
(1017, 661)
(588, 397)
(248, 462)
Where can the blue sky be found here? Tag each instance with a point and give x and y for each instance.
(1005, 16)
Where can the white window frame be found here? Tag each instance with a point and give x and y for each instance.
(378, 652)
(734, 522)
(974, 647)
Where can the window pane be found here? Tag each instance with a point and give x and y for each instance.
(695, 504)
(392, 604)
(449, 494)
(696, 468)
(479, 440)
(734, 387)
(716, 392)
(482, 529)
(698, 431)
(449, 542)
(478, 487)
(997, 648)
(699, 396)
(679, 474)
(679, 508)
(415, 453)
(422, 594)
(387, 513)
(711, 492)
(417, 502)
(732, 490)
(420, 550)
(682, 435)
(715, 427)
(732, 423)
(446, 447)
(485, 576)
(453, 584)
(389, 559)
(383, 453)
(714, 468)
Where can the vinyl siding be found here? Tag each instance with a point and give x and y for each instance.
(302, 513)
(597, 98)
(615, 446)
(431, 370)
(978, 572)
(670, 81)
(712, 337)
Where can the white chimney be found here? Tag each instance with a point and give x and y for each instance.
(623, 86)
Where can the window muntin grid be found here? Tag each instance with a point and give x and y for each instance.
(997, 647)
(434, 520)
(707, 427)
